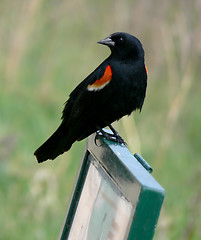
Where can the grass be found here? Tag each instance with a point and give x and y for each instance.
(47, 48)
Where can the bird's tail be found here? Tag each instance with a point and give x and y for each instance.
(57, 144)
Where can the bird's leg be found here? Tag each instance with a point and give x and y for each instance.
(119, 139)
(115, 137)
(106, 135)
(113, 130)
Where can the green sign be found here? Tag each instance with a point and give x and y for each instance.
(115, 197)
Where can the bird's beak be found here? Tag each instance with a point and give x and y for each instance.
(107, 41)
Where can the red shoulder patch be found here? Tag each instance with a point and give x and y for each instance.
(103, 81)
(146, 69)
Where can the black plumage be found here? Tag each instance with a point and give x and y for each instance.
(114, 89)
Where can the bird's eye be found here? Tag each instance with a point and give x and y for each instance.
(121, 40)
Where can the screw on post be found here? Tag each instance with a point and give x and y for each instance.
(144, 163)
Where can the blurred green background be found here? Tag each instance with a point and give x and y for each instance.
(47, 48)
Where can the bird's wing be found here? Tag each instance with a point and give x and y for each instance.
(96, 81)
(102, 79)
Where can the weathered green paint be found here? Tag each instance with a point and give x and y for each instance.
(146, 214)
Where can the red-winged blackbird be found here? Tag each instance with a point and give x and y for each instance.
(114, 89)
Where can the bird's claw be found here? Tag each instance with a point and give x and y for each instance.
(110, 137)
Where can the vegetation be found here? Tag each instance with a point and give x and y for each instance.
(47, 48)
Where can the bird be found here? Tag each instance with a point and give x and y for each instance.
(116, 88)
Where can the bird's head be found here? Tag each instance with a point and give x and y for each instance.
(124, 45)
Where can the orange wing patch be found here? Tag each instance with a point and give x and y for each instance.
(146, 70)
(103, 81)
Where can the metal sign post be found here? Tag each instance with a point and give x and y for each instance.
(114, 198)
